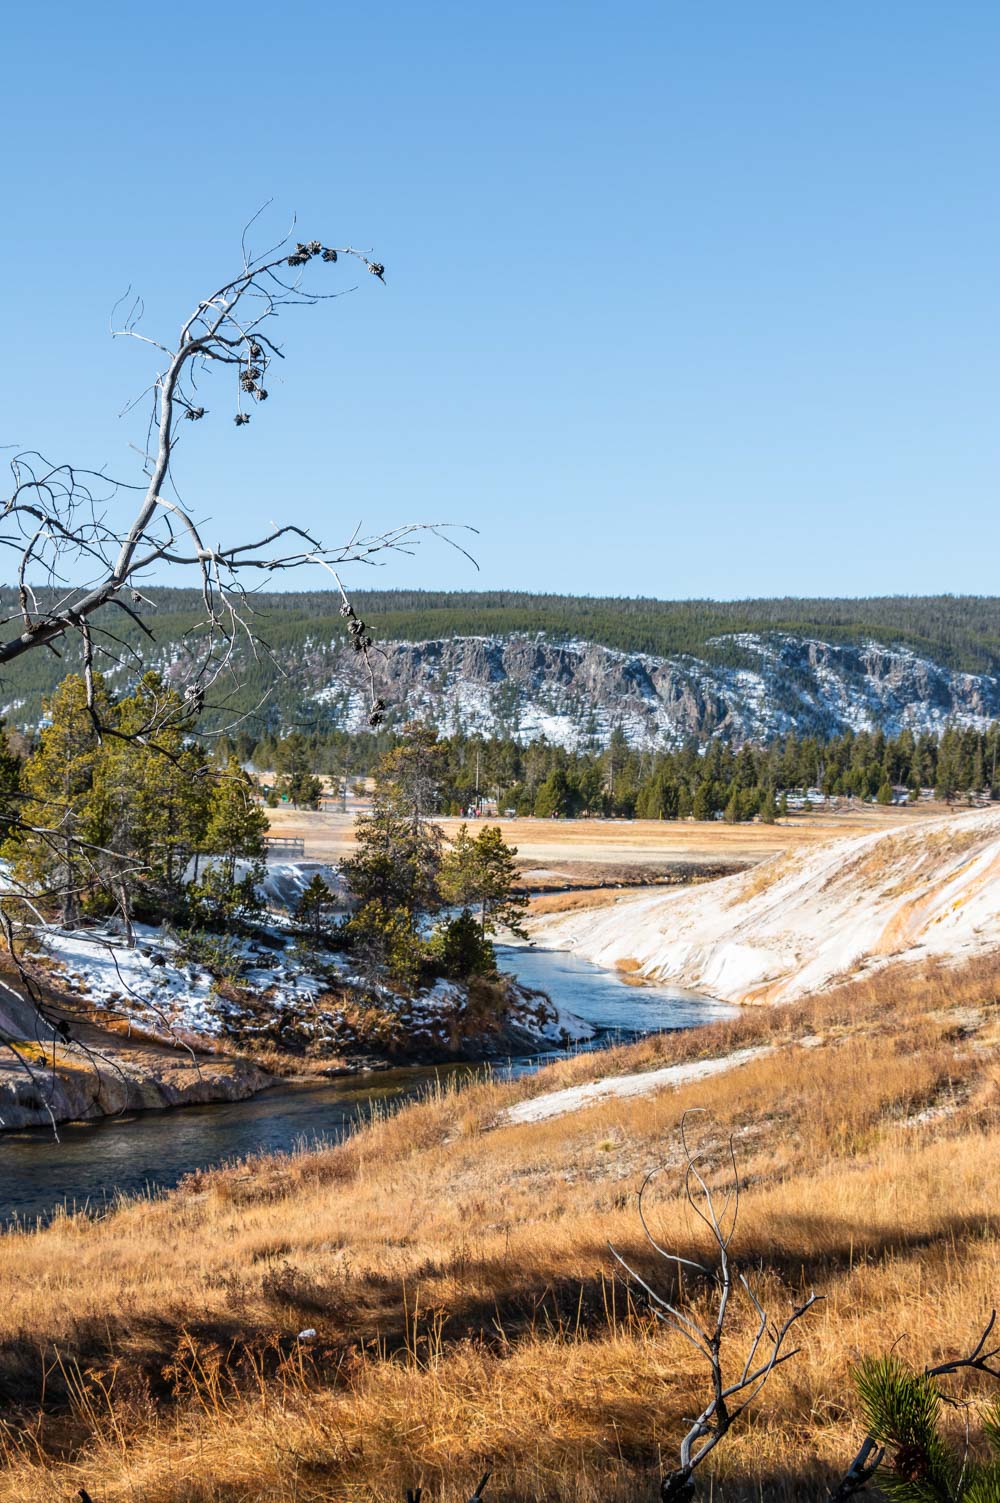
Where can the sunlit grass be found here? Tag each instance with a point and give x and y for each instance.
(456, 1272)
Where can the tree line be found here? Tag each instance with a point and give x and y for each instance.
(115, 809)
(622, 781)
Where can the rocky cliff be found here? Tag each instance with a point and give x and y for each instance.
(577, 692)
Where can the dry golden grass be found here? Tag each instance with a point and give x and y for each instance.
(563, 846)
(457, 1273)
(578, 900)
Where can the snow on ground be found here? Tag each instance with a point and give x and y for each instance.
(147, 981)
(154, 985)
(285, 881)
(556, 1103)
(802, 920)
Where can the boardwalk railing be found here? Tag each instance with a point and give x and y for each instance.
(288, 845)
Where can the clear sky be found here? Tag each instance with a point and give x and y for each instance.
(682, 299)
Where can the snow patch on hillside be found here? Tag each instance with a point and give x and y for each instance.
(573, 1098)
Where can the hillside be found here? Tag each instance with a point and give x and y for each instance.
(571, 669)
(806, 918)
(435, 1296)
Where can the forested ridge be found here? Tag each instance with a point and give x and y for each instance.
(958, 632)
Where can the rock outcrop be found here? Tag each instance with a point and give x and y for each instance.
(106, 1077)
(576, 693)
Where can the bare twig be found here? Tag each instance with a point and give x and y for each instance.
(730, 1395)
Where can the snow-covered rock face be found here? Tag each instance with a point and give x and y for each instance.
(576, 693)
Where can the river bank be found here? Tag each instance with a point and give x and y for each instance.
(98, 1159)
(451, 1262)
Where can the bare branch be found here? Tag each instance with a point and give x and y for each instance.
(729, 1398)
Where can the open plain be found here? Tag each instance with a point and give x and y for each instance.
(584, 852)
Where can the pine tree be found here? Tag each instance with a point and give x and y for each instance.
(297, 781)
(481, 872)
(703, 803)
(235, 830)
(393, 874)
(903, 1412)
(153, 792)
(313, 907)
(552, 800)
(61, 831)
(10, 785)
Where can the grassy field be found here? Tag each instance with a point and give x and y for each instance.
(603, 849)
(455, 1269)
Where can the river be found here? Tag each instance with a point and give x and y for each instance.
(95, 1161)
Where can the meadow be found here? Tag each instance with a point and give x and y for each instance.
(468, 1314)
(596, 850)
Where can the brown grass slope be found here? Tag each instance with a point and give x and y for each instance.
(458, 1277)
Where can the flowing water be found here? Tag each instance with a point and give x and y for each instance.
(95, 1161)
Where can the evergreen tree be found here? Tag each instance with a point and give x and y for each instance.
(385, 944)
(10, 785)
(703, 804)
(922, 1464)
(411, 778)
(54, 852)
(314, 906)
(152, 790)
(459, 949)
(393, 874)
(480, 871)
(552, 801)
(297, 782)
(235, 831)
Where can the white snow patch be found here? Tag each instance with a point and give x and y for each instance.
(556, 1103)
(112, 975)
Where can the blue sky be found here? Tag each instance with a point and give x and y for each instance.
(682, 300)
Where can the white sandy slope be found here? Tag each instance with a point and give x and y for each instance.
(804, 919)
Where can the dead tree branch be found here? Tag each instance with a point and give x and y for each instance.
(734, 1383)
